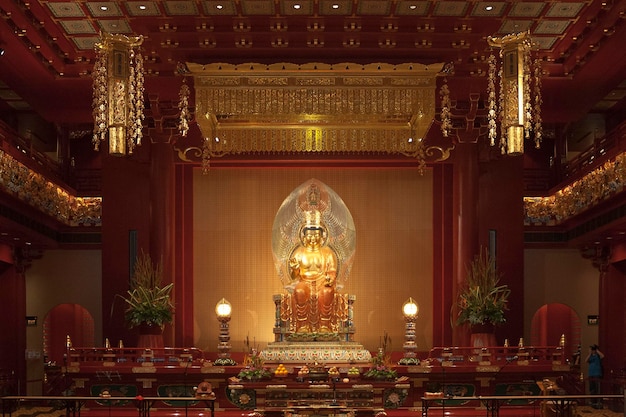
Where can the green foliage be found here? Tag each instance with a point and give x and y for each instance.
(147, 301)
(482, 300)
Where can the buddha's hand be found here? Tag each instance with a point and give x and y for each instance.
(294, 266)
(329, 281)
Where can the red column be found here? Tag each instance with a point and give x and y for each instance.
(501, 210)
(161, 213)
(612, 296)
(183, 255)
(466, 200)
(443, 253)
(125, 208)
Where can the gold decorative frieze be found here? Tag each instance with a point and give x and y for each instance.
(421, 369)
(375, 108)
(592, 189)
(223, 81)
(49, 198)
(267, 81)
(213, 370)
(144, 370)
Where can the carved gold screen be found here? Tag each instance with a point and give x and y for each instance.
(234, 211)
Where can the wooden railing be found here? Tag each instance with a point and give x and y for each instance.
(540, 181)
(499, 355)
(164, 356)
(603, 149)
(15, 144)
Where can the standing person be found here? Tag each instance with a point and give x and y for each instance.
(594, 360)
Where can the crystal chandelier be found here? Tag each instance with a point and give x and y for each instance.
(517, 107)
(118, 89)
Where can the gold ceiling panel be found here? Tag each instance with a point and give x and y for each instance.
(180, 8)
(258, 7)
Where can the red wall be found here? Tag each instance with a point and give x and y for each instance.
(13, 323)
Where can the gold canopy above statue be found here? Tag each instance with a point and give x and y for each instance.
(377, 108)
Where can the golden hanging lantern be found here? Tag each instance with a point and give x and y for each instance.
(517, 106)
(118, 89)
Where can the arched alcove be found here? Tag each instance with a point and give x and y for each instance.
(550, 322)
(66, 320)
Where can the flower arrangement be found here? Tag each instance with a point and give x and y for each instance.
(382, 367)
(482, 300)
(254, 368)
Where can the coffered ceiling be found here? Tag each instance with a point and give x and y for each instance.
(49, 44)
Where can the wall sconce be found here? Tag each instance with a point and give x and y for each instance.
(118, 89)
(520, 108)
(223, 310)
(410, 310)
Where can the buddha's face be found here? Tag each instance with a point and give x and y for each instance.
(313, 237)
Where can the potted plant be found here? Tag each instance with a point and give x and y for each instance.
(148, 302)
(482, 301)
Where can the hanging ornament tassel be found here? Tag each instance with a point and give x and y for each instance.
(527, 76)
(538, 102)
(100, 98)
(446, 124)
(183, 107)
(136, 103)
(492, 104)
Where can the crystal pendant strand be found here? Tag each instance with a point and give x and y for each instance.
(136, 104)
(183, 107)
(538, 128)
(100, 100)
(528, 74)
(444, 93)
(492, 103)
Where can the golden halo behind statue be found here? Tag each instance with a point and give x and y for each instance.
(310, 197)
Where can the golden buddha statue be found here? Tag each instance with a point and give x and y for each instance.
(313, 244)
(313, 271)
